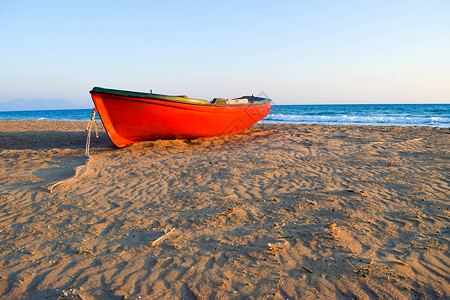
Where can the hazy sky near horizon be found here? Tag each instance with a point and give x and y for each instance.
(296, 52)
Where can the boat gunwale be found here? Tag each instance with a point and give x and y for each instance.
(128, 95)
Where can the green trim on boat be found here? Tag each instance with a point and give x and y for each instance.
(147, 95)
(252, 99)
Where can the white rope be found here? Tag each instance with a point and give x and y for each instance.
(89, 129)
(80, 170)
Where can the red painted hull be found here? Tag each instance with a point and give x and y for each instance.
(134, 119)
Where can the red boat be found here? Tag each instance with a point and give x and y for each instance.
(131, 117)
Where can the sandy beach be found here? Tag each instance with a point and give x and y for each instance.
(278, 212)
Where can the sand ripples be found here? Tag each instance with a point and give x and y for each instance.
(281, 211)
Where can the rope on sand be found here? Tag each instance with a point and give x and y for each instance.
(80, 170)
(89, 130)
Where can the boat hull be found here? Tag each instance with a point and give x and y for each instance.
(128, 119)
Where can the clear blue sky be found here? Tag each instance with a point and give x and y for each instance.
(296, 52)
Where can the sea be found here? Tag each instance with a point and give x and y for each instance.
(432, 115)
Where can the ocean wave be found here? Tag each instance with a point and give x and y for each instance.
(358, 120)
(360, 114)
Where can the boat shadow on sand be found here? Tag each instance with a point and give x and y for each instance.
(47, 158)
(54, 158)
(48, 140)
(76, 140)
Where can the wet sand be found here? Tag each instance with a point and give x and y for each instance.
(280, 211)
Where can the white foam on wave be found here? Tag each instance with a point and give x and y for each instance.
(359, 120)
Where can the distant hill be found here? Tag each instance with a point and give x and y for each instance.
(37, 104)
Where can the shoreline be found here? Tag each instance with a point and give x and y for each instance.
(27, 124)
(279, 211)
